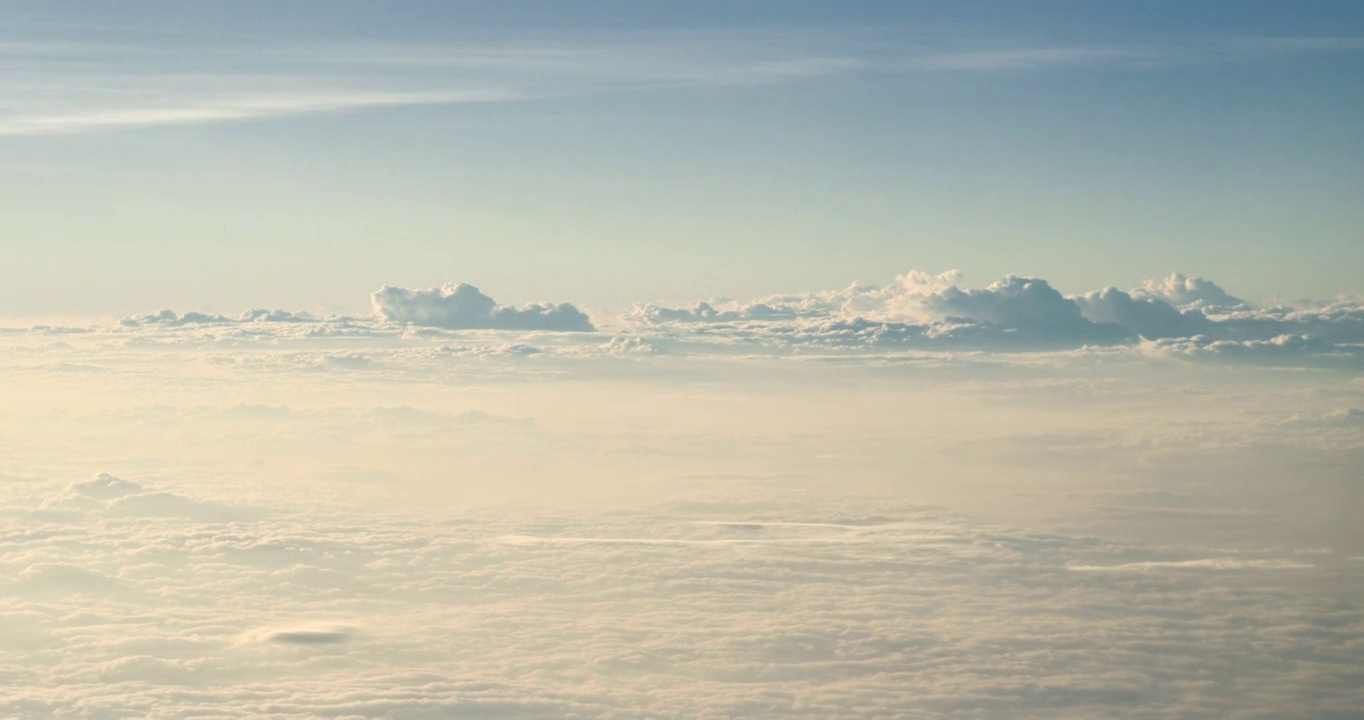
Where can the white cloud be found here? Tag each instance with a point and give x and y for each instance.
(1190, 293)
(188, 111)
(932, 312)
(173, 319)
(1023, 304)
(460, 307)
(1146, 316)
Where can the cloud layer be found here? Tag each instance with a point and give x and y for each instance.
(736, 609)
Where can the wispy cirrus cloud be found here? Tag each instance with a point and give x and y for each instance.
(192, 112)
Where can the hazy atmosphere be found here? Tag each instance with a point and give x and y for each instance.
(726, 360)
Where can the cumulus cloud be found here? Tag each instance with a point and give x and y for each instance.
(1190, 292)
(918, 306)
(1023, 304)
(458, 306)
(1146, 316)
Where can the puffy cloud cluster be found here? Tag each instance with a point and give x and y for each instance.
(932, 312)
(459, 306)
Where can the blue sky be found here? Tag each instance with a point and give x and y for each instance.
(230, 155)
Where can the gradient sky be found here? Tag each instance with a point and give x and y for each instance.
(228, 155)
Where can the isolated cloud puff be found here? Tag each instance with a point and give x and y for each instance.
(459, 306)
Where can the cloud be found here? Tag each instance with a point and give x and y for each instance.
(89, 85)
(920, 312)
(95, 493)
(1149, 317)
(1190, 293)
(463, 307)
(1286, 350)
(192, 112)
(116, 497)
(1023, 304)
(169, 318)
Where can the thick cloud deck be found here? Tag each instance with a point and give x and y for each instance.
(463, 307)
(760, 609)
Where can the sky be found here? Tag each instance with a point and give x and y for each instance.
(232, 155)
(420, 360)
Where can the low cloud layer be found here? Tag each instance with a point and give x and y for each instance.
(759, 608)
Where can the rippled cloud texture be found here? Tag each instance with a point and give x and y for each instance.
(921, 499)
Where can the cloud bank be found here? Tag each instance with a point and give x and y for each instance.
(1176, 317)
